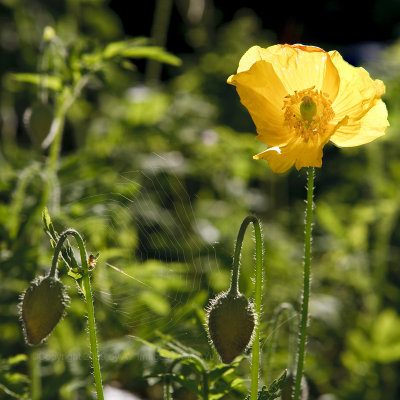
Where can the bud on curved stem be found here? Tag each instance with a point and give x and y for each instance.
(232, 319)
(89, 301)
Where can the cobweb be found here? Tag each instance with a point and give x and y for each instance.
(167, 260)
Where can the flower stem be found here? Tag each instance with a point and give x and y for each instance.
(306, 285)
(34, 372)
(89, 302)
(255, 363)
(54, 138)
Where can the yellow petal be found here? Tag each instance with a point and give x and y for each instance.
(367, 129)
(302, 153)
(358, 93)
(263, 94)
(298, 67)
(277, 162)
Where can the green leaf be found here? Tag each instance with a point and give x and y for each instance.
(17, 359)
(153, 52)
(273, 391)
(47, 81)
(160, 350)
(217, 372)
(10, 393)
(190, 384)
(74, 275)
(126, 49)
(155, 302)
(46, 219)
(116, 48)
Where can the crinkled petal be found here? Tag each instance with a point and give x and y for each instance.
(263, 94)
(358, 93)
(367, 129)
(302, 153)
(277, 161)
(298, 67)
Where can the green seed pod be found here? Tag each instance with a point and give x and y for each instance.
(231, 320)
(42, 306)
(37, 120)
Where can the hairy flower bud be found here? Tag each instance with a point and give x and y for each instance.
(41, 308)
(231, 320)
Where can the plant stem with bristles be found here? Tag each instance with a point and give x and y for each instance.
(301, 352)
(89, 302)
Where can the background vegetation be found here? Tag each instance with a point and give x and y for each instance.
(156, 172)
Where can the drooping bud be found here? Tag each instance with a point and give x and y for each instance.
(308, 108)
(42, 306)
(231, 320)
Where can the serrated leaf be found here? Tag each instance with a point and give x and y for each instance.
(50, 82)
(273, 391)
(75, 275)
(46, 219)
(238, 384)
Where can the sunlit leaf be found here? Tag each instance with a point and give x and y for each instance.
(116, 48)
(74, 275)
(220, 370)
(153, 52)
(47, 81)
(160, 350)
(46, 219)
(17, 359)
(125, 49)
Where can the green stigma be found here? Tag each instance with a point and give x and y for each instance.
(308, 108)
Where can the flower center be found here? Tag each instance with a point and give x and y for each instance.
(308, 112)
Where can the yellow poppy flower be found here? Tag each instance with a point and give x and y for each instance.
(300, 97)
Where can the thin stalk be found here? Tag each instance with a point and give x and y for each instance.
(54, 138)
(234, 289)
(34, 372)
(238, 248)
(159, 34)
(306, 285)
(19, 196)
(89, 302)
(255, 361)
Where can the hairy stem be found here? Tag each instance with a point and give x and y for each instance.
(89, 302)
(34, 372)
(234, 289)
(306, 285)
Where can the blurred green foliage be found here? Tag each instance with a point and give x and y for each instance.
(158, 177)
